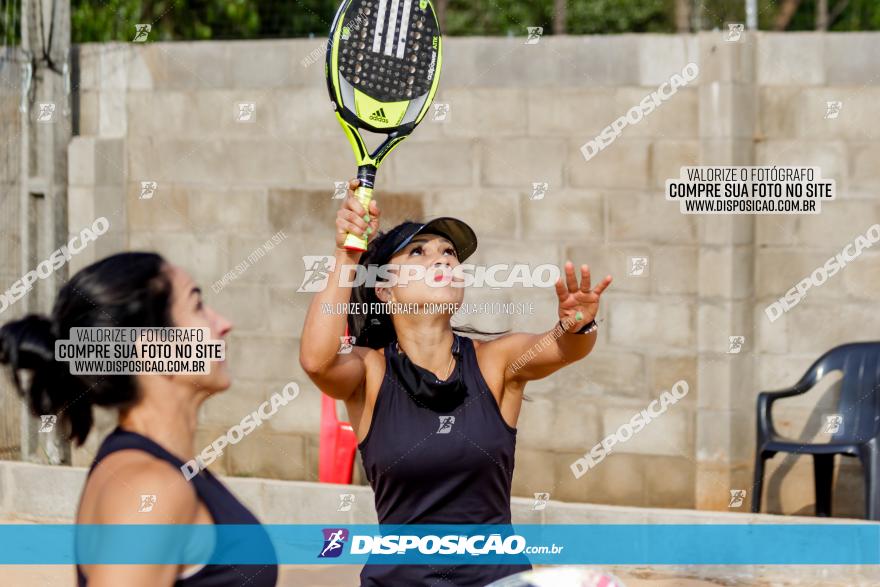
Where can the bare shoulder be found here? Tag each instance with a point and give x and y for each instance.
(500, 351)
(128, 481)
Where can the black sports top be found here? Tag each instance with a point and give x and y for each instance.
(222, 505)
(426, 468)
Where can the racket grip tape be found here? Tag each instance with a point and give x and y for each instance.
(364, 194)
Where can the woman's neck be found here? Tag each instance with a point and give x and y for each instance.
(428, 347)
(167, 413)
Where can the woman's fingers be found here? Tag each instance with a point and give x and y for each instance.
(343, 225)
(570, 279)
(602, 286)
(585, 278)
(353, 218)
(561, 291)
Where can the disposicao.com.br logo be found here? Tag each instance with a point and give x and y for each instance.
(448, 544)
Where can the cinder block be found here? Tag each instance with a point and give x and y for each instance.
(31, 496)
(111, 114)
(245, 305)
(532, 472)
(580, 113)
(303, 415)
(289, 310)
(777, 271)
(88, 114)
(639, 322)
(206, 261)
(674, 270)
(564, 214)
(677, 117)
(518, 163)
(167, 210)
(480, 112)
(669, 482)
(818, 120)
(235, 209)
(778, 112)
(423, 165)
(277, 456)
(842, 323)
(863, 171)
(491, 213)
(776, 52)
(661, 56)
(862, 280)
(666, 370)
(624, 164)
(728, 110)
(304, 113)
(191, 65)
(726, 272)
(614, 259)
(81, 162)
(263, 357)
(848, 60)
(261, 64)
(643, 218)
(153, 113)
(668, 157)
(669, 434)
(619, 479)
(726, 61)
(227, 409)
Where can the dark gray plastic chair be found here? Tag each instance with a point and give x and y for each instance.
(859, 433)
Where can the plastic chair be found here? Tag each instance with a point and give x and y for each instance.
(337, 447)
(337, 444)
(859, 430)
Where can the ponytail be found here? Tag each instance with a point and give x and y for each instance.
(125, 290)
(29, 345)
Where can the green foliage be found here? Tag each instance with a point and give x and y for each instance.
(10, 27)
(619, 16)
(497, 17)
(115, 20)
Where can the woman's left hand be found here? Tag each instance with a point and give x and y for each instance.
(574, 299)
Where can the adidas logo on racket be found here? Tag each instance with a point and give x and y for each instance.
(379, 115)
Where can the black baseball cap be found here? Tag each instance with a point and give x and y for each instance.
(462, 237)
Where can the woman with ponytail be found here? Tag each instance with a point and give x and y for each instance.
(155, 435)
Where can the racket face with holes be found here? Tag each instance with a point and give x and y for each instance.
(383, 68)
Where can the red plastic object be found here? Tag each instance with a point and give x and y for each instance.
(337, 446)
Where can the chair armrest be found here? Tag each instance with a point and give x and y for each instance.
(765, 403)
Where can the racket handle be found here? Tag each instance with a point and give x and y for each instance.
(364, 194)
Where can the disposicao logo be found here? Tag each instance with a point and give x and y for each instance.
(334, 542)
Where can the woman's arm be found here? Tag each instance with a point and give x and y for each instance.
(337, 375)
(534, 356)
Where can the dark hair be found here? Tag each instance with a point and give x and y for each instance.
(376, 330)
(124, 290)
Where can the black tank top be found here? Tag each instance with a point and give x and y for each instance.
(431, 468)
(222, 505)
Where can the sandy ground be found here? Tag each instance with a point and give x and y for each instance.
(312, 576)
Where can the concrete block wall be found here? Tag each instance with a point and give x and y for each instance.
(519, 114)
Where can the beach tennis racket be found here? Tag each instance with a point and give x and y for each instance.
(383, 67)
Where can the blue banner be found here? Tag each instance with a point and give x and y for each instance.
(543, 544)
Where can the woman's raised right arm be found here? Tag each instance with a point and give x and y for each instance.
(337, 375)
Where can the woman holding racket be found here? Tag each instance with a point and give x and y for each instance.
(143, 456)
(435, 413)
